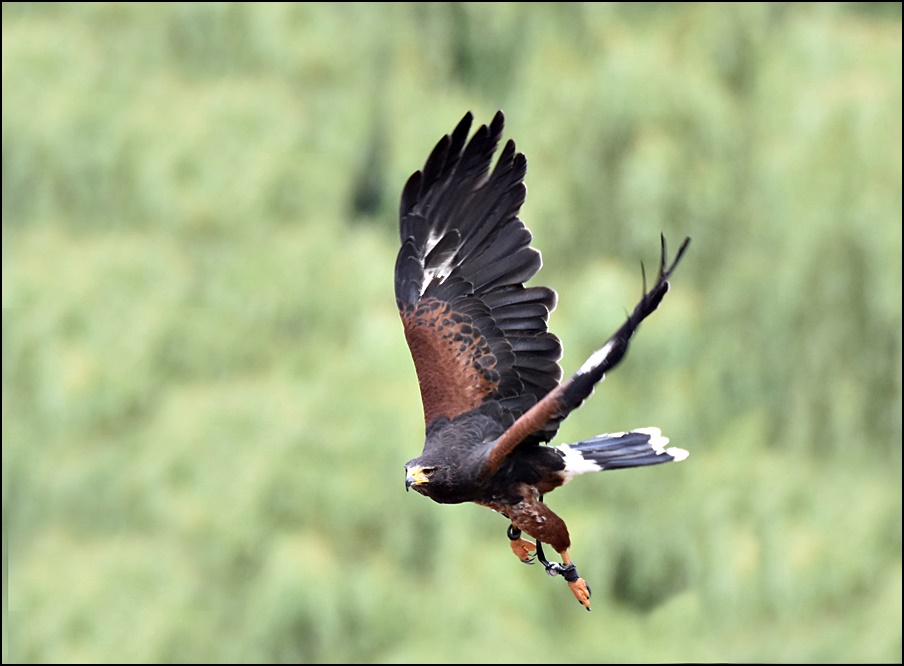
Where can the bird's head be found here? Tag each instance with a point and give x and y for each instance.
(445, 476)
(431, 478)
(418, 475)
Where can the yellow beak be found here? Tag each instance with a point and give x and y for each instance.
(414, 476)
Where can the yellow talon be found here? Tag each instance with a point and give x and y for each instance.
(581, 592)
(523, 549)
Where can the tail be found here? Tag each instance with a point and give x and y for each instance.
(637, 448)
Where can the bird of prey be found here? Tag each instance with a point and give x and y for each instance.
(487, 365)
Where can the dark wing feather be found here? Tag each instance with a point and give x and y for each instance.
(476, 333)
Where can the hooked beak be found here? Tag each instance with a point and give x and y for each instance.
(414, 476)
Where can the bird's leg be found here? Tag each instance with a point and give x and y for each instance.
(521, 546)
(578, 586)
(540, 522)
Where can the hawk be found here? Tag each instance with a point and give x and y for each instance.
(487, 365)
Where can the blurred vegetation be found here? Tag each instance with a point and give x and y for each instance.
(208, 400)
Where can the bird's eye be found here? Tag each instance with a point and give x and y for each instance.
(428, 471)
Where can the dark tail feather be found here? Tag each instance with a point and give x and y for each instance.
(637, 448)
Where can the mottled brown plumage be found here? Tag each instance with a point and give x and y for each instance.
(486, 363)
(454, 361)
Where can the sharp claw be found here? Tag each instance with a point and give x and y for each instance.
(522, 548)
(581, 592)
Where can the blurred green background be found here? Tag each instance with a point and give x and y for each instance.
(208, 399)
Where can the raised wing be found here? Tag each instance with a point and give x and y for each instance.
(476, 333)
(570, 394)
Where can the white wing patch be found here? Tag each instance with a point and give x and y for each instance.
(437, 273)
(596, 358)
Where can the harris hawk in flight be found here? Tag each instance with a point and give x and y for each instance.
(487, 365)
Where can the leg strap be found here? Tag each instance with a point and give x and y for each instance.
(568, 572)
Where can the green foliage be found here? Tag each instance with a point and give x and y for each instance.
(208, 400)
